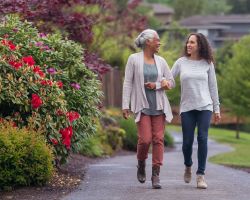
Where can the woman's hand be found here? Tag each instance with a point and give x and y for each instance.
(165, 85)
(150, 85)
(217, 118)
(125, 113)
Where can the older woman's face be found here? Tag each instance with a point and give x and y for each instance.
(154, 44)
(192, 45)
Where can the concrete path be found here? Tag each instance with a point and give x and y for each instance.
(115, 179)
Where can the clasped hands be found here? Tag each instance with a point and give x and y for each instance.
(164, 85)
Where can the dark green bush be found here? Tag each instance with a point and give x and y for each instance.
(130, 139)
(25, 159)
(109, 138)
(92, 147)
(168, 139)
(115, 136)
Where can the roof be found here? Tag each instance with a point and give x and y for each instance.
(159, 8)
(215, 19)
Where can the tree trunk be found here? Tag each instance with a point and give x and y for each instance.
(237, 127)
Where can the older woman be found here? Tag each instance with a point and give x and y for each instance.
(144, 95)
(199, 99)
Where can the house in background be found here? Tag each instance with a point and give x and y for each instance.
(161, 12)
(218, 29)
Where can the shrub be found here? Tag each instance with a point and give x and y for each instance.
(25, 159)
(115, 137)
(92, 147)
(168, 139)
(130, 139)
(109, 138)
(45, 85)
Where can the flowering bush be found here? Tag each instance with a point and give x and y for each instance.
(44, 85)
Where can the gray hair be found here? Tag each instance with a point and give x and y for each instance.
(147, 34)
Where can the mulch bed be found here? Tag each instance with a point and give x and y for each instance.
(64, 181)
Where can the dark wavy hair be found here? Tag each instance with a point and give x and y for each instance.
(204, 48)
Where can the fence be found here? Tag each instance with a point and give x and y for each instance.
(112, 88)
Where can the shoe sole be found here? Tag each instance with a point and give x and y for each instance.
(156, 187)
(201, 188)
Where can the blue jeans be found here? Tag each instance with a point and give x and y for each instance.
(189, 120)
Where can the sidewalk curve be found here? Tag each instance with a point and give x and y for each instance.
(115, 179)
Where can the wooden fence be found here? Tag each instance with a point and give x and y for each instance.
(112, 88)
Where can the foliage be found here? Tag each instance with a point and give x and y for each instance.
(25, 158)
(168, 139)
(239, 7)
(216, 7)
(107, 140)
(77, 20)
(239, 157)
(91, 147)
(185, 8)
(195, 7)
(236, 72)
(221, 56)
(130, 140)
(234, 80)
(45, 85)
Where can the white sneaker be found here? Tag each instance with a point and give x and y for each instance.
(188, 175)
(201, 184)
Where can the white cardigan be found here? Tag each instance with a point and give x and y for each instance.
(134, 97)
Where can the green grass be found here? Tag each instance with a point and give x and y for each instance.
(239, 157)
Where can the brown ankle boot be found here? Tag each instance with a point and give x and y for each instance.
(141, 173)
(155, 177)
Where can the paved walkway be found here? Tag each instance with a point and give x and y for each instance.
(115, 179)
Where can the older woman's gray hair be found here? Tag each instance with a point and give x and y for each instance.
(147, 34)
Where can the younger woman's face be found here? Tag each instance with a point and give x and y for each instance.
(192, 45)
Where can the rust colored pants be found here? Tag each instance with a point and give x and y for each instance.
(151, 130)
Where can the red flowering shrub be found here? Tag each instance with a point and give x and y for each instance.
(45, 86)
(36, 101)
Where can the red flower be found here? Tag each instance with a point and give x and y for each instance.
(15, 64)
(59, 112)
(66, 136)
(38, 71)
(54, 141)
(9, 44)
(59, 84)
(36, 101)
(72, 115)
(28, 60)
(12, 46)
(46, 82)
(41, 74)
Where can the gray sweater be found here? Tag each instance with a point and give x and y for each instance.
(198, 85)
(134, 97)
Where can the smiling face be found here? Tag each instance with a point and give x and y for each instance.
(154, 44)
(192, 45)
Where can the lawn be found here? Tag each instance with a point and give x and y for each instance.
(240, 157)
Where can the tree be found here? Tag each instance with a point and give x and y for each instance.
(236, 84)
(185, 8)
(215, 7)
(240, 6)
(77, 18)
